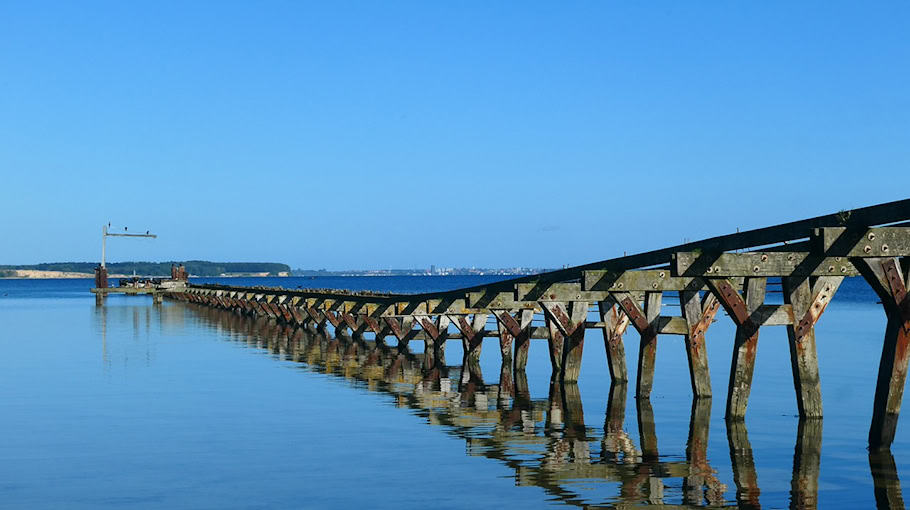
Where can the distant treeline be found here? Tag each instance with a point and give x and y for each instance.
(193, 267)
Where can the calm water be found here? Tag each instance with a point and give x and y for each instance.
(179, 406)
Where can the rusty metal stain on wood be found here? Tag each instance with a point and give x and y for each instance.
(635, 315)
(505, 317)
(898, 289)
(731, 300)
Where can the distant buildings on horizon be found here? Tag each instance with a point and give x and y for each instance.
(432, 271)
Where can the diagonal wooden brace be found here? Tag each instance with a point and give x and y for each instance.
(286, 314)
(746, 342)
(514, 330)
(403, 328)
(334, 319)
(472, 333)
(570, 326)
(645, 322)
(427, 324)
(436, 332)
(299, 318)
(822, 292)
(318, 317)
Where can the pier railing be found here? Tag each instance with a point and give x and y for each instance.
(810, 257)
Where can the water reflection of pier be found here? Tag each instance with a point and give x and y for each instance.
(547, 442)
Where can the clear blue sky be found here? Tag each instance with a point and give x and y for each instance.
(403, 134)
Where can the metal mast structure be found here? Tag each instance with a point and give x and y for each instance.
(105, 234)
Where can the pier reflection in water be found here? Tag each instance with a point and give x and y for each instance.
(547, 442)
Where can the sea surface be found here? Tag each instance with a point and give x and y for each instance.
(137, 405)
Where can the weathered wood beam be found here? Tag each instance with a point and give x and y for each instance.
(755, 264)
(559, 292)
(873, 242)
(497, 299)
(640, 280)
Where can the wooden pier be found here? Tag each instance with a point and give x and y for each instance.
(156, 293)
(810, 257)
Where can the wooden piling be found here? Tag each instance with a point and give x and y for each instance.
(555, 343)
(472, 334)
(514, 335)
(745, 343)
(569, 322)
(698, 314)
(888, 277)
(615, 324)
(808, 300)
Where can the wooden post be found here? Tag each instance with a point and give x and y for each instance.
(808, 300)
(506, 338)
(471, 335)
(744, 475)
(523, 340)
(615, 324)
(699, 314)
(888, 277)
(645, 322)
(569, 322)
(514, 331)
(806, 458)
(555, 343)
(436, 333)
(746, 341)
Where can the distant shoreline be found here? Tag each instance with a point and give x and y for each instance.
(34, 274)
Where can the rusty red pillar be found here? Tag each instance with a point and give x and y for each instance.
(100, 277)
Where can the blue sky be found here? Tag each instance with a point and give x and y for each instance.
(404, 134)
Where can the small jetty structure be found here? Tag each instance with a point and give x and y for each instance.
(810, 258)
(154, 287)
